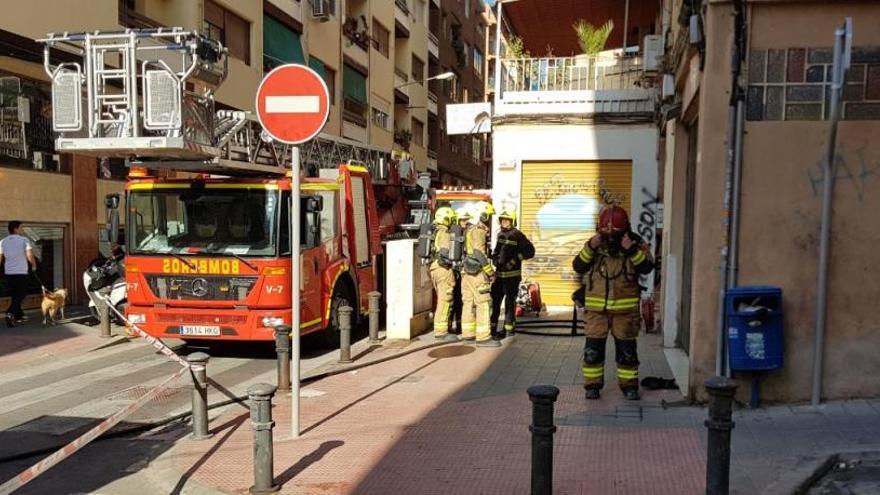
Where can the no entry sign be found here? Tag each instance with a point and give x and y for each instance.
(293, 103)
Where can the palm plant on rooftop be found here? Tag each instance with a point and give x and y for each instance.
(591, 38)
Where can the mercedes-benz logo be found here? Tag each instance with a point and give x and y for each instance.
(200, 287)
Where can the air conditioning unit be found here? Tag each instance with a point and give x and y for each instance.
(654, 46)
(321, 9)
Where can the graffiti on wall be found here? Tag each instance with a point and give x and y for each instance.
(646, 226)
(558, 186)
(853, 168)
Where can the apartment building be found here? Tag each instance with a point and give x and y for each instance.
(373, 55)
(458, 27)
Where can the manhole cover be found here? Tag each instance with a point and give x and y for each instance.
(450, 351)
(853, 475)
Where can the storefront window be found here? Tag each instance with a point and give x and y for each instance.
(48, 242)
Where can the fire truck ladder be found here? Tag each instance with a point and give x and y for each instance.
(148, 95)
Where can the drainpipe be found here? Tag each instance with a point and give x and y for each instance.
(733, 163)
(841, 63)
(625, 24)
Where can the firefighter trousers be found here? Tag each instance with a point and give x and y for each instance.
(504, 289)
(455, 318)
(476, 297)
(443, 281)
(624, 327)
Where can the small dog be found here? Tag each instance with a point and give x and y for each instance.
(53, 304)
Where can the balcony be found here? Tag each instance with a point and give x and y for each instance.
(432, 102)
(582, 85)
(433, 45)
(401, 88)
(402, 21)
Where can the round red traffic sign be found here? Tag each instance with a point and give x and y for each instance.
(293, 103)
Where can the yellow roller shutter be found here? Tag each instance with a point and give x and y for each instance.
(559, 203)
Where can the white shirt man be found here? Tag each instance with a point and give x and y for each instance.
(16, 253)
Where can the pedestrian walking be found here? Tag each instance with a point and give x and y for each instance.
(441, 272)
(476, 280)
(464, 223)
(610, 263)
(512, 247)
(16, 255)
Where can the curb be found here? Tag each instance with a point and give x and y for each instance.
(798, 481)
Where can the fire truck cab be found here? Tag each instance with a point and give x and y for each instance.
(210, 258)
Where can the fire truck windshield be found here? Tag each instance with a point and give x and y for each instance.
(209, 221)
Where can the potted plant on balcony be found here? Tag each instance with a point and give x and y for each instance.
(355, 30)
(591, 38)
(403, 137)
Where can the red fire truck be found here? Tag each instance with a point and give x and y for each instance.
(208, 255)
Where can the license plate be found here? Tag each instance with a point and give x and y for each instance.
(200, 330)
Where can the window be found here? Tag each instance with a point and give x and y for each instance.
(478, 62)
(467, 49)
(467, 8)
(354, 91)
(418, 69)
(328, 74)
(464, 95)
(381, 38)
(418, 132)
(380, 118)
(281, 44)
(230, 29)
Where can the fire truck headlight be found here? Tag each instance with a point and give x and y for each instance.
(137, 318)
(272, 321)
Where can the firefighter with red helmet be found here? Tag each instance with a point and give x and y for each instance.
(610, 264)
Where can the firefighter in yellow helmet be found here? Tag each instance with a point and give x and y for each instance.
(511, 248)
(441, 272)
(464, 223)
(476, 280)
(610, 264)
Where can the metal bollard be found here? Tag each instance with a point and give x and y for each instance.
(542, 428)
(199, 363)
(345, 334)
(374, 316)
(282, 348)
(260, 395)
(104, 313)
(721, 391)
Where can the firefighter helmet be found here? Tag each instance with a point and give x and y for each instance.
(444, 216)
(464, 213)
(509, 214)
(613, 220)
(485, 210)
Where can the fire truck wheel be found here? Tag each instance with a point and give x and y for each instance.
(342, 296)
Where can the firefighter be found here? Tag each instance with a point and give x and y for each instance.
(511, 248)
(441, 272)
(464, 218)
(476, 280)
(610, 263)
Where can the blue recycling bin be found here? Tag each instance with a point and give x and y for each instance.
(754, 328)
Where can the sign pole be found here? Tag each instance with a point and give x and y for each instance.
(295, 292)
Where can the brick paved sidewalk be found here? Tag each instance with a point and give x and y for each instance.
(455, 420)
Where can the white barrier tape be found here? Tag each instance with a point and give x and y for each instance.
(39, 468)
(164, 349)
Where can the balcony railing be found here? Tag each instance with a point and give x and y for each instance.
(354, 112)
(571, 73)
(606, 83)
(432, 96)
(402, 5)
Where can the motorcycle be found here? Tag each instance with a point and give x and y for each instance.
(107, 276)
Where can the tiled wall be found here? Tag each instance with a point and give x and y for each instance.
(794, 84)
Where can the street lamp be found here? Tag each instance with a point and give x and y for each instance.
(440, 77)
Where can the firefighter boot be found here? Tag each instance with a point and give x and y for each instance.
(594, 366)
(627, 367)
